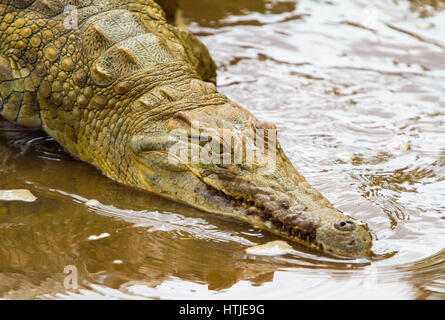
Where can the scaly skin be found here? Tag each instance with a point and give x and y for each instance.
(116, 91)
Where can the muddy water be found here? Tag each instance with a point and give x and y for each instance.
(357, 93)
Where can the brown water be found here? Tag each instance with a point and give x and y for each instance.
(357, 93)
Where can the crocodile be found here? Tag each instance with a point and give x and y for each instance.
(121, 88)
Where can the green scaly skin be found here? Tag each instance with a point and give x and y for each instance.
(115, 91)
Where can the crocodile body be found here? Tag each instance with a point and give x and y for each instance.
(112, 81)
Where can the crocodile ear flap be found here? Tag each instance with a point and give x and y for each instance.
(5, 69)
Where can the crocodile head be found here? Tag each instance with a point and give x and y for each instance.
(221, 159)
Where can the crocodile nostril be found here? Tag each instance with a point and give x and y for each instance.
(346, 225)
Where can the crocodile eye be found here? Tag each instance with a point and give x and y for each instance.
(345, 225)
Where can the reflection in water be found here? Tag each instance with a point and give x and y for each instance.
(335, 84)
